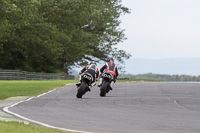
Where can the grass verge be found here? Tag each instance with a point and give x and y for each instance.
(17, 127)
(15, 88)
(29, 88)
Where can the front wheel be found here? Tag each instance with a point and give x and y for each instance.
(103, 89)
(81, 90)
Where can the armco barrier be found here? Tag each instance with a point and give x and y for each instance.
(23, 75)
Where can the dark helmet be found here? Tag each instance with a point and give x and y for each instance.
(110, 59)
(93, 62)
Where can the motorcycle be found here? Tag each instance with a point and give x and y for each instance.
(105, 87)
(86, 80)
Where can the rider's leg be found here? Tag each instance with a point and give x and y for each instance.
(79, 78)
(112, 82)
(93, 84)
(100, 82)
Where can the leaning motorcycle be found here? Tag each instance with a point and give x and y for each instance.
(105, 87)
(86, 80)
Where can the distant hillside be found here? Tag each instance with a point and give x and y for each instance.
(161, 77)
(164, 66)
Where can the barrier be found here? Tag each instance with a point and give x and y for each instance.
(23, 75)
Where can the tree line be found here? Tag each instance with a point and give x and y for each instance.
(53, 35)
(161, 77)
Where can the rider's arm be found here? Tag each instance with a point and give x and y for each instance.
(97, 74)
(116, 70)
(102, 69)
(83, 70)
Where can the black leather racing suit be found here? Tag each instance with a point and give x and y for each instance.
(110, 67)
(93, 70)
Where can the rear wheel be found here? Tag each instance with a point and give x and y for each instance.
(108, 89)
(81, 90)
(103, 89)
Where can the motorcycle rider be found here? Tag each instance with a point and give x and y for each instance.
(110, 67)
(93, 70)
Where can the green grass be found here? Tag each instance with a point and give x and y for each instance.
(15, 88)
(29, 88)
(17, 127)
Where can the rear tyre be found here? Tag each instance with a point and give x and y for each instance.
(108, 89)
(81, 90)
(103, 89)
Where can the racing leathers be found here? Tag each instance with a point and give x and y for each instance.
(91, 69)
(110, 67)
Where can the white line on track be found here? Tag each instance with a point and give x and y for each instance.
(6, 109)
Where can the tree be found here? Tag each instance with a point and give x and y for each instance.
(43, 35)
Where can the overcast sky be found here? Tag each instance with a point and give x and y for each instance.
(158, 29)
(161, 31)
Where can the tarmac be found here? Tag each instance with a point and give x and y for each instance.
(132, 107)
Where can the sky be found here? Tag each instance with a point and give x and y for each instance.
(162, 29)
(163, 36)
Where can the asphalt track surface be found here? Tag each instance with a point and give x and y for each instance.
(133, 107)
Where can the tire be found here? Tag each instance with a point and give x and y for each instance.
(81, 90)
(108, 89)
(103, 89)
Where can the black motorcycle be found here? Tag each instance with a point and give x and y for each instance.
(105, 87)
(86, 80)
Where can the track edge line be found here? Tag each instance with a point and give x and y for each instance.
(6, 109)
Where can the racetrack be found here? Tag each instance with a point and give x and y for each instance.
(132, 107)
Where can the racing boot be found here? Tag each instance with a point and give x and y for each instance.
(111, 85)
(89, 88)
(78, 84)
(79, 78)
(100, 82)
(92, 85)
